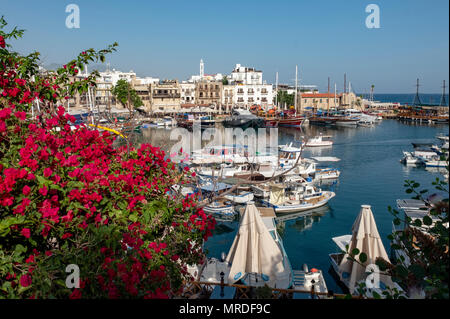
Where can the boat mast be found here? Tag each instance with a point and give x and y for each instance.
(328, 97)
(276, 90)
(296, 84)
(443, 103)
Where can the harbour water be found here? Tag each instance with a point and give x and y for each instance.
(370, 174)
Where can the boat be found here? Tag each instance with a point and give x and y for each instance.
(301, 199)
(318, 141)
(326, 173)
(366, 123)
(271, 122)
(410, 159)
(365, 238)
(220, 208)
(309, 280)
(435, 161)
(158, 123)
(350, 122)
(236, 154)
(294, 121)
(244, 119)
(240, 198)
(418, 156)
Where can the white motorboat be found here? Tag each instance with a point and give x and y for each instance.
(318, 141)
(435, 162)
(326, 173)
(410, 159)
(240, 198)
(418, 156)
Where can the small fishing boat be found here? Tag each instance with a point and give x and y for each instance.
(319, 141)
(220, 208)
(301, 199)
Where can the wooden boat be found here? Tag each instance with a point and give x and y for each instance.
(295, 121)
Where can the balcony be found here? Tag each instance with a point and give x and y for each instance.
(166, 95)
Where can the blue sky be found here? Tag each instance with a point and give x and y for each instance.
(326, 38)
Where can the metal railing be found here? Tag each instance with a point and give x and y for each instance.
(202, 290)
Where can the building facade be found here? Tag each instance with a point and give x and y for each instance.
(209, 93)
(247, 95)
(187, 93)
(165, 97)
(246, 75)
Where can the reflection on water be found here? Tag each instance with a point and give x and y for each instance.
(301, 221)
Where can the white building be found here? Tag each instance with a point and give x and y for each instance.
(245, 75)
(187, 93)
(247, 95)
(114, 76)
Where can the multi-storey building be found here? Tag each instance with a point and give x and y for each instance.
(253, 94)
(228, 96)
(209, 93)
(165, 96)
(245, 75)
(187, 93)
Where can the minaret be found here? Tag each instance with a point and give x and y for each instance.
(202, 69)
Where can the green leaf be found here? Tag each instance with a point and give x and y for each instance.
(355, 251)
(362, 257)
(427, 220)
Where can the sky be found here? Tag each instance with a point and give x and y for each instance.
(325, 38)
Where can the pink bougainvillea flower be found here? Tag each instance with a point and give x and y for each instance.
(25, 280)
(26, 190)
(26, 232)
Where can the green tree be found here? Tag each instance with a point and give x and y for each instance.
(126, 95)
(224, 80)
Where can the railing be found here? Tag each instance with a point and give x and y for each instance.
(202, 290)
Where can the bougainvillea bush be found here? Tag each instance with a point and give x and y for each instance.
(68, 197)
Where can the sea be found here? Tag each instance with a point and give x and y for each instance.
(432, 99)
